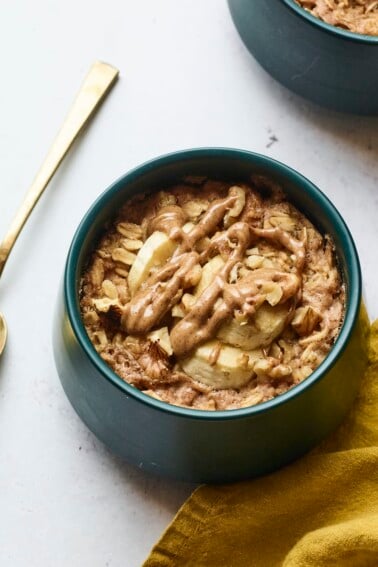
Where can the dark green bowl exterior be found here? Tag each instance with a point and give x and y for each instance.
(330, 66)
(205, 446)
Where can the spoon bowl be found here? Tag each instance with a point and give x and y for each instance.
(3, 333)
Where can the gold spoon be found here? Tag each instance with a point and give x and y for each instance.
(97, 84)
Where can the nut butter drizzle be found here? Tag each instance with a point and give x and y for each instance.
(165, 287)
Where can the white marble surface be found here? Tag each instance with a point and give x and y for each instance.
(186, 80)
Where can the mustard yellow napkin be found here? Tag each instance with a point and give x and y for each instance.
(320, 511)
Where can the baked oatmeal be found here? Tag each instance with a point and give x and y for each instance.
(212, 295)
(359, 16)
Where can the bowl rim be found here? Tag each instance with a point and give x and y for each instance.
(70, 282)
(345, 34)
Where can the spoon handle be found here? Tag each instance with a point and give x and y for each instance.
(96, 86)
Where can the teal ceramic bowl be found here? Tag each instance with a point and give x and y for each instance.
(325, 64)
(197, 445)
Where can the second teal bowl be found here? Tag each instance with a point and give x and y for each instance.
(325, 64)
(196, 445)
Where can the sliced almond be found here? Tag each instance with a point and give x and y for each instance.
(109, 289)
(166, 199)
(262, 366)
(99, 340)
(301, 373)
(253, 262)
(121, 272)
(218, 304)
(208, 404)
(267, 263)
(131, 244)
(103, 304)
(253, 399)
(239, 205)
(130, 230)
(97, 272)
(371, 6)
(273, 293)
(104, 254)
(280, 371)
(177, 311)
(90, 318)
(244, 272)
(234, 274)
(161, 336)
(194, 209)
(252, 251)
(123, 256)
(281, 220)
(188, 301)
(118, 339)
(194, 275)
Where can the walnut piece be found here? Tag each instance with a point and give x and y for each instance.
(305, 320)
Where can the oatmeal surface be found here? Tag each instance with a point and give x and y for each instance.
(212, 295)
(359, 16)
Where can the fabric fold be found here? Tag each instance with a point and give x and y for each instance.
(319, 511)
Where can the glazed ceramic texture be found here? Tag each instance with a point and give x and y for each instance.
(195, 445)
(327, 65)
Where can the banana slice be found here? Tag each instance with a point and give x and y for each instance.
(220, 366)
(154, 252)
(209, 271)
(266, 325)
